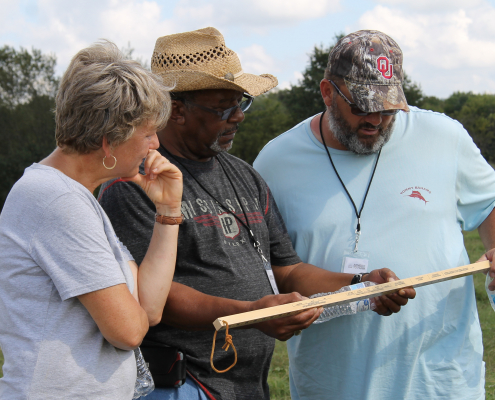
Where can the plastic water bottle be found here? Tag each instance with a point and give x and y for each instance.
(144, 381)
(490, 293)
(354, 307)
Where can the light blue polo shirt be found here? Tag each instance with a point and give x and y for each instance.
(430, 183)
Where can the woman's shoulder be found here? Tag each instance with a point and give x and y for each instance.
(42, 192)
(43, 184)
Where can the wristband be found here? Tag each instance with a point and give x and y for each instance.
(166, 220)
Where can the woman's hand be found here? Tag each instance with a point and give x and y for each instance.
(162, 183)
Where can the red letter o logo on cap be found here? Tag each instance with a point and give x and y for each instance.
(385, 67)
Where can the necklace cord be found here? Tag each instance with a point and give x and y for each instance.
(358, 215)
(246, 224)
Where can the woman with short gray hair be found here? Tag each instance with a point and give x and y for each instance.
(73, 303)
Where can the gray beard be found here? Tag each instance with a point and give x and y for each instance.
(349, 138)
(216, 147)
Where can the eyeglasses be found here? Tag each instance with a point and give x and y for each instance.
(224, 115)
(356, 110)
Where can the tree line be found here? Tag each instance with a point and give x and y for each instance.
(28, 85)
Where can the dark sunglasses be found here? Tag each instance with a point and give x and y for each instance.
(224, 115)
(356, 110)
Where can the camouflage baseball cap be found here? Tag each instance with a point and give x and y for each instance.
(370, 63)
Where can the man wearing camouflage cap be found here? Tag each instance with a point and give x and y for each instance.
(234, 253)
(392, 186)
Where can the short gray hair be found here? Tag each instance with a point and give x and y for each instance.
(103, 94)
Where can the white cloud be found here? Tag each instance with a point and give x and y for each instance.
(64, 28)
(431, 5)
(448, 44)
(457, 44)
(137, 23)
(283, 85)
(260, 14)
(9, 9)
(295, 79)
(292, 10)
(255, 60)
(484, 26)
(298, 76)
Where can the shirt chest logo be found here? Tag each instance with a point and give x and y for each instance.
(209, 213)
(229, 225)
(417, 192)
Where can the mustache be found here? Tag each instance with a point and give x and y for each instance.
(367, 125)
(229, 130)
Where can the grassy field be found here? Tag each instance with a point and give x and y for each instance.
(486, 313)
(279, 371)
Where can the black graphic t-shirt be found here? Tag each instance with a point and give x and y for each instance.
(216, 257)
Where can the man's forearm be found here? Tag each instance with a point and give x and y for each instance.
(307, 279)
(189, 309)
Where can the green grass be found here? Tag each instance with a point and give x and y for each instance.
(278, 377)
(485, 311)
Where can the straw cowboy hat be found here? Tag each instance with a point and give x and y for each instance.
(200, 60)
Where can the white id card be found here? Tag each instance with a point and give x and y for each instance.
(355, 262)
(271, 277)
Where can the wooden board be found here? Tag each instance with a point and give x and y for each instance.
(265, 314)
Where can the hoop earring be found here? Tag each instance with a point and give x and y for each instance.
(114, 164)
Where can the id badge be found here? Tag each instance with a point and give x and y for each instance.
(355, 262)
(271, 277)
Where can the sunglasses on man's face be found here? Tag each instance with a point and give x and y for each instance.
(356, 110)
(244, 103)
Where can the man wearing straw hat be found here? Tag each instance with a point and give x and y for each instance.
(394, 185)
(234, 252)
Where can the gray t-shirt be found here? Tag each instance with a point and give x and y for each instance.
(57, 243)
(216, 257)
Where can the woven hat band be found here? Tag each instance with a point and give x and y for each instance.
(218, 61)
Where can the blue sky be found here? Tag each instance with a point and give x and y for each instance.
(448, 45)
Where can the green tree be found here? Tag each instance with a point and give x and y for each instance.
(433, 103)
(27, 134)
(477, 114)
(266, 119)
(455, 102)
(27, 126)
(25, 74)
(415, 96)
(413, 92)
(304, 99)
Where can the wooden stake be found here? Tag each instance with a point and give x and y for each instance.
(266, 314)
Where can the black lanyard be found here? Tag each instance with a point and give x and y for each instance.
(358, 215)
(246, 224)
